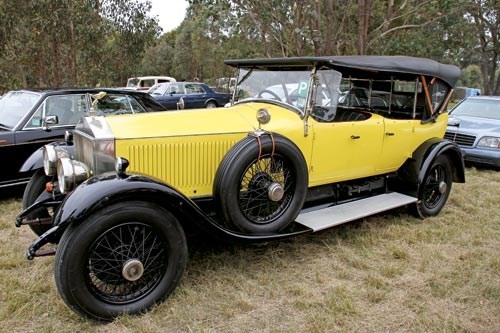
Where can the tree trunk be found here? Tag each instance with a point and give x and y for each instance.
(364, 9)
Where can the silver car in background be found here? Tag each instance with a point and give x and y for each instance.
(474, 125)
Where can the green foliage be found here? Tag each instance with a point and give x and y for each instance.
(471, 77)
(47, 43)
(102, 42)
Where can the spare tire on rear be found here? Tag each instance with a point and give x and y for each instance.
(261, 184)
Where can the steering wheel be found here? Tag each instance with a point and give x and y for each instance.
(273, 94)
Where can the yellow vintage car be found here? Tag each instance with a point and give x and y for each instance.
(308, 143)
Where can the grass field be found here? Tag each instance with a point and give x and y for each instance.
(387, 273)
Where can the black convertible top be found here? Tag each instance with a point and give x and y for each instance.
(361, 65)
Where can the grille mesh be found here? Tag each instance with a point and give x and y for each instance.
(460, 139)
(188, 166)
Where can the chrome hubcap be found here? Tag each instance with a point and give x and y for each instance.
(133, 270)
(442, 187)
(275, 192)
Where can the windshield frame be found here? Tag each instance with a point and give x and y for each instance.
(244, 73)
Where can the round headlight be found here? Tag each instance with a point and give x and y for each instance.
(70, 173)
(49, 160)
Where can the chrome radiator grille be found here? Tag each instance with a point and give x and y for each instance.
(84, 146)
(460, 139)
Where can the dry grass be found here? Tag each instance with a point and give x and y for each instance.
(387, 273)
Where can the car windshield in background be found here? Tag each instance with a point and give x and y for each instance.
(159, 89)
(14, 106)
(481, 108)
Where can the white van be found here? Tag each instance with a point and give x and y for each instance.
(143, 83)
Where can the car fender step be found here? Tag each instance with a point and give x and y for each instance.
(334, 215)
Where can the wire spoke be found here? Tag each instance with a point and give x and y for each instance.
(110, 252)
(254, 188)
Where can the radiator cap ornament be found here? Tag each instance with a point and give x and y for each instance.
(263, 116)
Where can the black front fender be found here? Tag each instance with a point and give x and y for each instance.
(99, 192)
(35, 161)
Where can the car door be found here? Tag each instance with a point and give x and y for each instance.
(195, 96)
(171, 96)
(345, 149)
(398, 143)
(32, 135)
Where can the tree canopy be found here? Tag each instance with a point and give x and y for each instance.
(102, 42)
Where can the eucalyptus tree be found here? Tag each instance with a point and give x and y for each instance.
(72, 42)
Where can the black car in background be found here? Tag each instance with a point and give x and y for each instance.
(30, 119)
(192, 95)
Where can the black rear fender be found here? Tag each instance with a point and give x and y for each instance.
(452, 151)
(413, 171)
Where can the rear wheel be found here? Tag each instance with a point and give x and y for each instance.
(211, 105)
(33, 189)
(435, 188)
(122, 259)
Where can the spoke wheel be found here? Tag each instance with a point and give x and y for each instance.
(109, 274)
(122, 259)
(266, 189)
(260, 186)
(435, 188)
(34, 188)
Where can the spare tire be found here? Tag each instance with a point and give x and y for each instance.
(261, 184)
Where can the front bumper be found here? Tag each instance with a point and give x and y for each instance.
(489, 157)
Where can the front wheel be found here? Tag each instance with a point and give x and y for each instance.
(122, 259)
(35, 187)
(435, 188)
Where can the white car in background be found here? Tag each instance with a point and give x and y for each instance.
(143, 83)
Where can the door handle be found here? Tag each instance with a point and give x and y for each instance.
(389, 134)
(355, 137)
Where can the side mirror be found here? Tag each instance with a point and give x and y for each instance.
(49, 120)
(180, 104)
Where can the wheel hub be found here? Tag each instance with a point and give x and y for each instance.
(442, 187)
(275, 191)
(132, 270)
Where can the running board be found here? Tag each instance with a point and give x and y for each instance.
(328, 217)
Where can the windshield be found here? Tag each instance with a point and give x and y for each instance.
(482, 108)
(288, 87)
(158, 89)
(133, 82)
(14, 106)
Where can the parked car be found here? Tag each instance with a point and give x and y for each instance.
(30, 119)
(474, 124)
(121, 205)
(144, 83)
(190, 95)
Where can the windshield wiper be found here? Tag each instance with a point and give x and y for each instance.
(5, 126)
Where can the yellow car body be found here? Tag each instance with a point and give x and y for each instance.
(184, 148)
